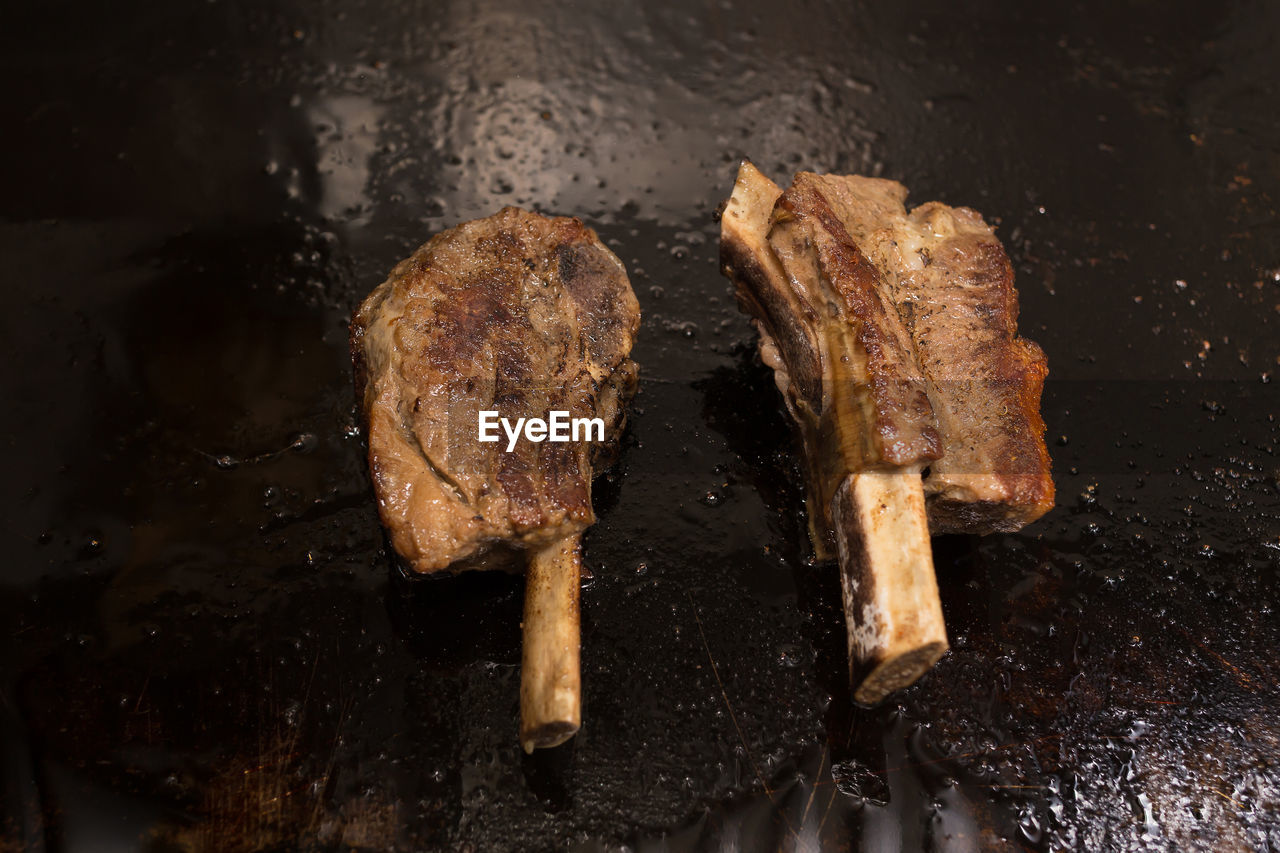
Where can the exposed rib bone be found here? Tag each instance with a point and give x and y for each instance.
(550, 679)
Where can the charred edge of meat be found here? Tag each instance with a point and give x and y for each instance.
(1027, 491)
(532, 314)
(996, 474)
(903, 426)
(772, 306)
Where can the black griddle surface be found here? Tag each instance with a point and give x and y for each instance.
(208, 645)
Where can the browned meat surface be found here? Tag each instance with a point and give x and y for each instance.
(813, 245)
(854, 388)
(952, 284)
(910, 316)
(893, 339)
(517, 313)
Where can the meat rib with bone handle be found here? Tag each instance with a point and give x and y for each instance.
(517, 315)
(892, 337)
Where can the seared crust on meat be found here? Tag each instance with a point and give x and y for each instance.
(902, 326)
(892, 390)
(518, 313)
(841, 359)
(952, 284)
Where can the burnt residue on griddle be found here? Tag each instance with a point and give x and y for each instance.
(208, 639)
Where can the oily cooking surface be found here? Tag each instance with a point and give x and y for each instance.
(518, 314)
(207, 638)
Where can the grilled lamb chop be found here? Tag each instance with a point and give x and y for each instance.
(892, 337)
(520, 314)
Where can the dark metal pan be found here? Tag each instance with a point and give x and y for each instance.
(208, 645)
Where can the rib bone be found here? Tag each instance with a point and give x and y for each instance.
(550, 679)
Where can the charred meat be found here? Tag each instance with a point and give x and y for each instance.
(518, 316)
(948, 279)
(892, 337)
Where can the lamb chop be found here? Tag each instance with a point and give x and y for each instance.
(520, 315)
(892, 337)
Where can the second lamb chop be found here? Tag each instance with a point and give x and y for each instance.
(892, 336)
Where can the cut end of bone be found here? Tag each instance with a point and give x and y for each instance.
(550, 678)
(891, 604)
(897, 673)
